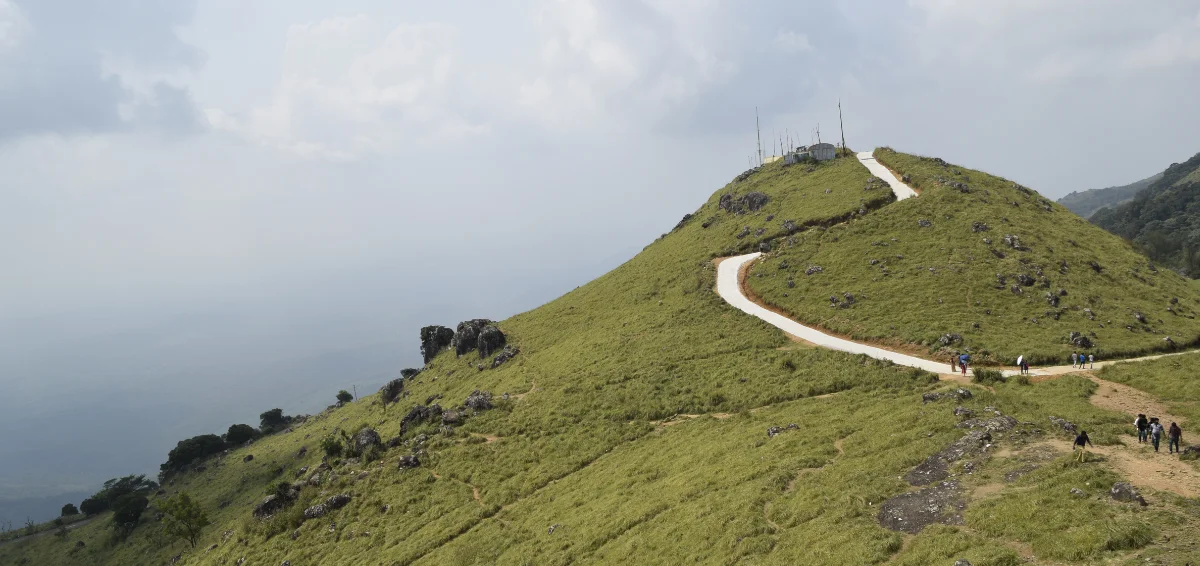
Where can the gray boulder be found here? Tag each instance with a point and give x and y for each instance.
(466, 337)
(434, 339)
(409, 461)
(316, 511)
(506, 354)
(479, 400)
(337, 501)
(490, 339)
(365, 439)
(1123, 491)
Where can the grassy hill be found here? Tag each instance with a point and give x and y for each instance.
(947, 263)
(632, 427)
(1086, 203)
(1164, 218)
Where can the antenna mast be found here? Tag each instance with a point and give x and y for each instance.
(842, 126)
(758, 133)
(818, 132)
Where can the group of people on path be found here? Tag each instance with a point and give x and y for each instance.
(1150, 430)
(959, 360)
(1078, 360)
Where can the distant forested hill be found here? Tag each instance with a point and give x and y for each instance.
(1086, 203)
(1164, 218)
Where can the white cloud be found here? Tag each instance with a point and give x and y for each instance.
(348, 89)
(792, 42)
(14, 26)
(1178, 45)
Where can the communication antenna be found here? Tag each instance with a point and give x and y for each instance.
(818, 132)
(758, 133)
(842, 125)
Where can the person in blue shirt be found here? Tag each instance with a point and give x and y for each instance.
(962, 361)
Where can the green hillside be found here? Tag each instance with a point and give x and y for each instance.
(632, 427)
(946, 263)
(1164, 218)
(1086, 203)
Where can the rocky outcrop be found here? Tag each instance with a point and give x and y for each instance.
(490, 339)
(270, 505)
(419, 414)
(912, 512)
(506, 354)
(409, 461)
(434, 339)
(409, 373)
(959, 394)
(364, 440)
(390, 392)
(1123, 491)
(479, 400)
(749, 202)
(466, 336)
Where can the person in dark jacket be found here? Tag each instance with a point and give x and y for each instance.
(1174, 435)
(1081, 443)
(1143, 427)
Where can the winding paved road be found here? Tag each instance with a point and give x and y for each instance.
(729, 288)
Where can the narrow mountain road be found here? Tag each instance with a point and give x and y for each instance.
(902, 191)
(729, 287)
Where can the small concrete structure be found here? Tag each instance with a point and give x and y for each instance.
(818, 152)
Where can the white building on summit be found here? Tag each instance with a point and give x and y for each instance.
(819, 152)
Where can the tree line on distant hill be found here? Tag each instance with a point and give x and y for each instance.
(1163, 220)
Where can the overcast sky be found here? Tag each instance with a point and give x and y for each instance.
(221, 191)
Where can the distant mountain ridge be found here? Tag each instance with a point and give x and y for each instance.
(1086, 203)
(1163, 219)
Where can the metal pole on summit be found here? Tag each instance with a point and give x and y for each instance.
(842, 125)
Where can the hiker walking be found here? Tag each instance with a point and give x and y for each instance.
(1080, 446)
(1156, 431)
(1025, 367)
(962, 362)
(1174, 434)
(954, 363)
(1021, 364)
(1143, 427)
(1074, 359)
(1091, 361)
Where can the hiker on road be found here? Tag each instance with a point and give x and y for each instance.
(1025, 367)
(954, 363)
(1143, 427)
(1174, 435)
(1074, 359)
(1081, 443)
(1156, 432)
(1021, 364)
(1091, 361)
(962, 361)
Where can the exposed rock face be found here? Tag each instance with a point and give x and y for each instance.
(950, 338)
(466, 337)
(959, 394)
(479, 400)
(391, 390)
(813, 269)
(506, 354)
(365, 439)
(452, 418)
(1140, 317)
(1064, 424)
(1014, 242)
(912, 512)
(337, 501)
(409, 461)
(270, 505)
(937, 467)
(682, 223)
(418, 414)
(434, 339)
(1122, 491)
(924, 223)
(1080, 340)
(490, 339)
(1025, 280)
(316, 511)
(964, 413)
(1190, 453)
(749, 202)
(771, 432)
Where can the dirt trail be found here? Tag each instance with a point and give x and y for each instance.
(1125, 399)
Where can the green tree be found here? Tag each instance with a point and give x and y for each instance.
(239, 434)
(270, 421)
(69, 509)
(344, 396)
(128, 508)
(93, 506)
(183, 518)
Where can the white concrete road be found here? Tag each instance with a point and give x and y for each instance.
(731, 291)
(902, 191)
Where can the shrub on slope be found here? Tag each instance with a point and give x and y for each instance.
(982, 264)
